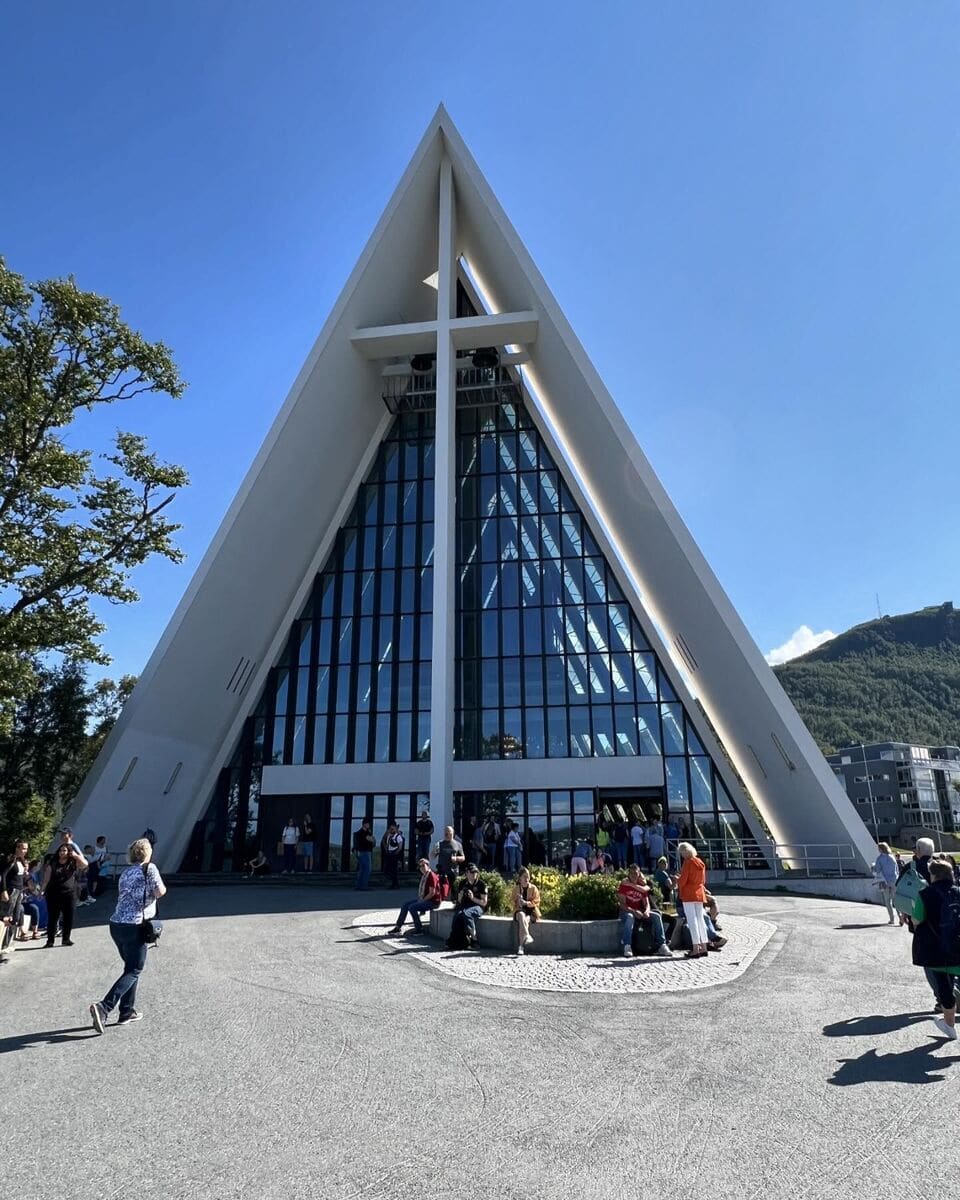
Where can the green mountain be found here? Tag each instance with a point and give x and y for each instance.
(895, 679)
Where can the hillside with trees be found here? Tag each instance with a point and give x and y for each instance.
(893, 679)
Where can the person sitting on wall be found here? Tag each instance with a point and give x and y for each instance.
(258, 865)
(633, 898)
(427, 898)
(525, 903)
(663, 880)
(472, 899)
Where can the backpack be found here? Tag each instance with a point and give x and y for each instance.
(948, 930)
(642, 940)
(909, 886)
(458, 933)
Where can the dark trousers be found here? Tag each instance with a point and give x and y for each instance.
(133, 951)
(289, 858)
(94, 887)
(61, 906)
(423, 845)
(391, 868)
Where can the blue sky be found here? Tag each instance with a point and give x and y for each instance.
(749, 213)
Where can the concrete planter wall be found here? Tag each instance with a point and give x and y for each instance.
(549, 937)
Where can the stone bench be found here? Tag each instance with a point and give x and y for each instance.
(549, 937)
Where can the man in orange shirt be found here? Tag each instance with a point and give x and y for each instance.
(633, 897)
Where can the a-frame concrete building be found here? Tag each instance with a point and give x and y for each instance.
(451, 578)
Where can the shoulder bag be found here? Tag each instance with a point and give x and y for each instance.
(149, 930)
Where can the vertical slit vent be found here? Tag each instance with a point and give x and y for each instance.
(127, 773)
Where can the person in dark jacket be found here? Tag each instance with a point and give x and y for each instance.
(60, 886)
(940, 960)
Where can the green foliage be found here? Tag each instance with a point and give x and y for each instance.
(894, 679)
(498, 893)
(579, 897)
(55, 733)
(71, 530)
(32, 821)
(589, 898)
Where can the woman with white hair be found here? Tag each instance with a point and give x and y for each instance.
(691, 891)
(140, 887)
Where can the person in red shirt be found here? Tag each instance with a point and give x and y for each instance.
(428, 897)
(633, 897)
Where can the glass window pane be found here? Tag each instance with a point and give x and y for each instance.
(511, 682)
(557, 732)
(672, 716)
(534, 745)
(603, 739)
(648, 729)
(676, 774)
(580, 741)
(361, 738)
(700, 781)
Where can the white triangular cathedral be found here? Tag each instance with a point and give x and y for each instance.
(451, 580)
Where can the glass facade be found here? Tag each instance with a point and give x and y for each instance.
(551, 662)
(354, 683)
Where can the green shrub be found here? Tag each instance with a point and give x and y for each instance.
(498, 891)
(588, 898)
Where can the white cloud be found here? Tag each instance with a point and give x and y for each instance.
(799, 642)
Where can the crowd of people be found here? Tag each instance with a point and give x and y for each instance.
(41, 896)
(922, 894)
(642, 922)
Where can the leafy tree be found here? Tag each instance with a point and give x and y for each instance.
(71, 530)
(56, 733)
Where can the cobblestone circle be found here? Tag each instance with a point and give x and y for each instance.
(746, 937)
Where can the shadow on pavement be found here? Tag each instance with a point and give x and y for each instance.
(910, 1066)
(25, 1041)
(236, 899)
(872, 1026)
(868, 925)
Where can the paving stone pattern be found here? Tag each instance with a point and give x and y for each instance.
(746, 937)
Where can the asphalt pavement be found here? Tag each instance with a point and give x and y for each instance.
(285, 1054)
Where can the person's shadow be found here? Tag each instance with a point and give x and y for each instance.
(49, 1037)
(910, 1066)
(873, 1026)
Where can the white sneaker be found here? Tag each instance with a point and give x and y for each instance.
(528, 940)
(948, 1031)
(627, 952)
(663, 952)
(519, 952)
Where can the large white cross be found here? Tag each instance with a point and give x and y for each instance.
(444, 337)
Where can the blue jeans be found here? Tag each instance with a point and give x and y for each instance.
(364, 867)
(133, 951)
(289, 857)
(470, 916)
(619, 850)
(627, 920)
(942, 986)
(423, 845)
(413, 908)
(511, 859)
